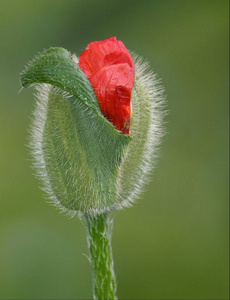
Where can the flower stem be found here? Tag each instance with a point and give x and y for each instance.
(99, 229)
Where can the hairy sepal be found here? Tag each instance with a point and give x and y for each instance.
(77, 150)
(147, 116)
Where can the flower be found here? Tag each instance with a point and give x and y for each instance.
(110, 69)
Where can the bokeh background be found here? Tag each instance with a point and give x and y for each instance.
(173, 243)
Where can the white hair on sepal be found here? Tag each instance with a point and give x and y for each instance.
(36, 144)
(148, 111)
(40, 155)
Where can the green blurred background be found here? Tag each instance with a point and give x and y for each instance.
(173, 243)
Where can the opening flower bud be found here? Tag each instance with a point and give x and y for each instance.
(97, 125)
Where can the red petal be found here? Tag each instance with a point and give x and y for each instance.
(110, 69)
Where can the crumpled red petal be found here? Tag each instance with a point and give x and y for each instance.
(110, 69)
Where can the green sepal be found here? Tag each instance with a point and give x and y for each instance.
(56, 66)
(80, 149)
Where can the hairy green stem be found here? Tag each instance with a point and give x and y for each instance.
(99, 229)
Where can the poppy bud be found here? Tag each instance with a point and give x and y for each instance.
(97, 124)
